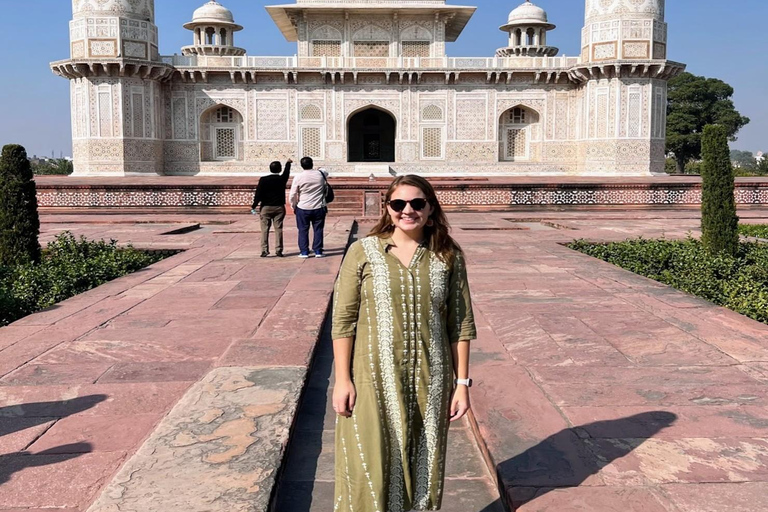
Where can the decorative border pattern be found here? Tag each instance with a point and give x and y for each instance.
(452, 195)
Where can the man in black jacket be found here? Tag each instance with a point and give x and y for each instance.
(271, 194)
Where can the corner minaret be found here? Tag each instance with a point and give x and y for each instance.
(624, 30)
(623, 74)
(115, 78)
(108, 29)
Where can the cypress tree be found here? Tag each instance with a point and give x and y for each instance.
(719, 223)
(19, 221)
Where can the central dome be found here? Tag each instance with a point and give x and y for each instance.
(213, 11)
(528, 13)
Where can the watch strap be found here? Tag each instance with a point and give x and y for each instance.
(464, 382)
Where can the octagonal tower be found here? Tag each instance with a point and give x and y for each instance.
(108, 29)
(116, 93)
(623, 73)
(624, 30)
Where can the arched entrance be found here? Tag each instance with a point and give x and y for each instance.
(371, 136)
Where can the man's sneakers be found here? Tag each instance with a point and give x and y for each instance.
(319, 255)
(264, 254)
(303, 256)
(279, 254)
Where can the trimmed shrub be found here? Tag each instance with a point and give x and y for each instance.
(69, 266)
(719, 223)
(19, 221)
(755, 230)
(737, 282)
(693, 167)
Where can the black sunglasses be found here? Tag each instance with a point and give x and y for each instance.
(417, 204)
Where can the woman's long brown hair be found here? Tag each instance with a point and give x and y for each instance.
(437, 236)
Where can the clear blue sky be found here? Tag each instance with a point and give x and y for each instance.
(726, 40)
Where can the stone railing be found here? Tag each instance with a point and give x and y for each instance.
(363, 63)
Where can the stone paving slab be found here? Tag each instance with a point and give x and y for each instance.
(216, 450)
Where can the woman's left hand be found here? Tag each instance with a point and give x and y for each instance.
(459, 402)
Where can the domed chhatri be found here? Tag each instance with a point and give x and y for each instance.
(527, 27)
(528, 13)
(213, 12)
(214, 27)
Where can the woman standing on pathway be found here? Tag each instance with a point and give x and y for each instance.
(402, 322)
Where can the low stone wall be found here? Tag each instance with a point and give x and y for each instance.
(360, 197)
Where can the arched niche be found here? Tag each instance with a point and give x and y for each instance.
(371, 41)
(518, 127)
(221, 134)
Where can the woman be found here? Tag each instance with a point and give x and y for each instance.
(402, 322)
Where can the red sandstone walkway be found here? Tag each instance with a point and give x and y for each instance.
(596, 389)
(599, 390)
(85, 383)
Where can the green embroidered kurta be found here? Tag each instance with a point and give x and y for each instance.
(390, 455)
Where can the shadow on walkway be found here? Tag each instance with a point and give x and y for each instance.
(570, 457)
(13, 463)
(305, 479)
(15, 418)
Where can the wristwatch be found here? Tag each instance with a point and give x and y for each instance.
(463, 382)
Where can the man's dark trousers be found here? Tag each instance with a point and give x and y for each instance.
(303, 220)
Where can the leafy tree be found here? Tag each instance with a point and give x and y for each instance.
(694, 102)
(59, 166)
(762, 167)
(719, 223)
(19, 221)
(743, 159)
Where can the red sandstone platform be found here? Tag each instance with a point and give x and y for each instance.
(361, 197)
(597, 390)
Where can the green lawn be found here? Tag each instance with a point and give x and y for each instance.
(69, 266)
(739, 283)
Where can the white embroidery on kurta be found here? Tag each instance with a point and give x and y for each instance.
(346, 471)
(382, 298)
(428, 443)
(365, 465)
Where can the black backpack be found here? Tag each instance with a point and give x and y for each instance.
(329, 193)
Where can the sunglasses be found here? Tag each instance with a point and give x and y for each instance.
(417, 204)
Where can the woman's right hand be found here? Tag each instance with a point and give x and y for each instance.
(344, 396)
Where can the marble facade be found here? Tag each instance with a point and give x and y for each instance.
(370, 91)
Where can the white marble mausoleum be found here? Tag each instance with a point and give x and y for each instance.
(369, 91)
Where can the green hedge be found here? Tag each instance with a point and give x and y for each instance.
(69, 266)
(739, 283)
(755, 230)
